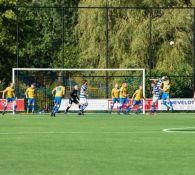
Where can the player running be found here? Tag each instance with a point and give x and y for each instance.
(30, 95)
(74, 98)
(156, 95)
(9, 92)
(137, 99)
(59, 92)
(83, 98)
(115, 97)
(124, 99)
(165, 96)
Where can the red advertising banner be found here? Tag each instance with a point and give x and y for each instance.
(19, 102)
(148, 103)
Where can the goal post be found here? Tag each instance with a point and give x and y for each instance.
(140, 72)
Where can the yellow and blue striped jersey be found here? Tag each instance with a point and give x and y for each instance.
(59, 91)
(30, 92)
(138, 95)
(166, 86)
(9, 92)
(123, 92)
(115, 93)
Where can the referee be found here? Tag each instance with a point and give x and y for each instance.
(73, 98)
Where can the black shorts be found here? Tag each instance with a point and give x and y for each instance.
(71, 101)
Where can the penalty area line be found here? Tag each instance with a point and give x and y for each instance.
(74, 132)
(180, 130)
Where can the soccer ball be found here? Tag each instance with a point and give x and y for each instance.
(171, 43)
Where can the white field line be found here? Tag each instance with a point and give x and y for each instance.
(179, 130)
(74, 132)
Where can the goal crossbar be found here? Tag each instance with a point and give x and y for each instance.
(77, 69)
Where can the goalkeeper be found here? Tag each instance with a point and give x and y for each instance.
(73, 98)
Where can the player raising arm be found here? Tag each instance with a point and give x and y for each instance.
(83, 98)
(9, 93)
(74, 98)
(30, 95)
(137, 99)
(115, 96)
(159, 84)
(58, 92)
(156, 96)
(165, 96)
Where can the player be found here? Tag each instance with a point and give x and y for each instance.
(137, 99)
(59, 92)
(115, 96)
(165, 96)
(156, 95)
(124, 98)
(74, 98)
(83, 98)
(30, 95)
(9, 92)
(159, 84)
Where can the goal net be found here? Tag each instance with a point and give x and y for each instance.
(100, 84)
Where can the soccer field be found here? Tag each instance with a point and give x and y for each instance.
(97, 144)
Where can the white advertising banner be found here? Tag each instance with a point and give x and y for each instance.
(179, 104)
(93, 105)
(104, 104)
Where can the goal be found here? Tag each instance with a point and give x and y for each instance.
(101, 82)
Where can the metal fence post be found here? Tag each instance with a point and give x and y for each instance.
(150, 42)
(107, 50)
(63, 37)
(17, 49)
(63, 42)
(193, 51)
(17, 39)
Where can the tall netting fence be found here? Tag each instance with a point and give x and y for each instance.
(159, 39)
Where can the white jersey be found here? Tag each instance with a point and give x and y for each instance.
(83, 91)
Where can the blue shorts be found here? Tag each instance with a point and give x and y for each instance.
(31, 101)
(115, 100)
(165, 96)
(57, 100)
(137, 102)
(10, 100)
(124, 100)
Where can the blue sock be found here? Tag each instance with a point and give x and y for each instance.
(166, 104)
(85, 106)
(33, 108)
(171, 105)
(127, 109)
(120, 109)
(81, 108)
(55, 109)
(15, 106)
(112, 106)
(152, 109)
(138, 110)
(28, 108)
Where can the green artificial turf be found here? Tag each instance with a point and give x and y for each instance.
(96, 144)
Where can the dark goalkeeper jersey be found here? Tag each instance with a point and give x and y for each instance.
(74, 94)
